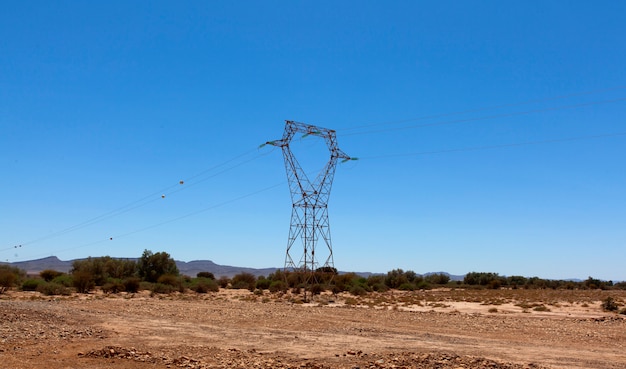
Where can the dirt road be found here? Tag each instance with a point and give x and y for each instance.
(237, 329)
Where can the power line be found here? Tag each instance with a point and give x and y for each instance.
(488, 117)
(486, 108)
(488, 147)
(184, 184)
(256, 192)
(156, 225)
(155, 196)
(253, 193)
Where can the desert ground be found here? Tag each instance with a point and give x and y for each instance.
(445, 328)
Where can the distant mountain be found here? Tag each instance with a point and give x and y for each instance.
(36, 266)
(191, 268)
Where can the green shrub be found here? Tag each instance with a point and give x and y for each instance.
(324, 275)
(204, 285)
(244, 281)
(380, 287)
(63, 279)
(593, 283)
(51, 288)
(113, 286)
(105, 267)
(83, 281)
(7, 280)
(240, 285)
(160, 288)
(375, 279)
(358, 290)
(10, 277)
(207, 275)
(516, 281)
(295, 279)
(152, 266)
(438, 278)
(277, 286)
(343, 282)
(278, 275)
(172, 280)
(397, 277)
(131, 284)
(263, 283)
(406, 287)
(31, 284)
(483, 279)
(609, 304)
(223, 281)
(48, 275)
(316, 289)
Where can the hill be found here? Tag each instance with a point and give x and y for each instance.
(190, 268)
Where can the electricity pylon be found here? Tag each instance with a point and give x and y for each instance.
(309, 214)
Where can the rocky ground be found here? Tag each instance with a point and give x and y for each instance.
(237, 329)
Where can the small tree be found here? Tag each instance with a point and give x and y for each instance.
(119, 268)
(438, 278)
(152, 266)
(244, 280)
(131, 284)
(83, 281)
(395, 278)
(263, 283)
(343, 282)
(278, 275)
(92, 267)
(516, 281)
(9, 277)
(49, 274)
(324, 275)
(493, 280)
(208, 275)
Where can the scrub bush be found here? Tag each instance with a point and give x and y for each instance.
(204, 285)
(51, 288)
(31, 284)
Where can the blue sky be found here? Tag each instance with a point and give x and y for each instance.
(491, 134)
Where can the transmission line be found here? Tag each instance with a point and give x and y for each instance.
(486, 108)
(155, 196)
(488, 117)
(355, 130)
(172, 220)
(488, 147)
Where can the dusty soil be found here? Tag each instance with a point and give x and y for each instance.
(236, 329)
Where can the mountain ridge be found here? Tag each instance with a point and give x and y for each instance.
(190, 268)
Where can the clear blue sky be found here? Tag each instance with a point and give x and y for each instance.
(491, 134)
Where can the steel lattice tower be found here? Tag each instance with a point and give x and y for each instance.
(309, 214)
